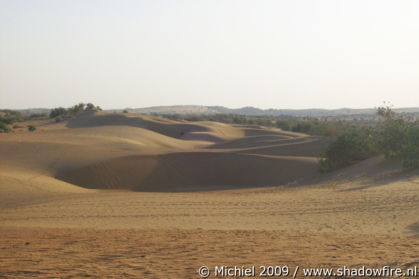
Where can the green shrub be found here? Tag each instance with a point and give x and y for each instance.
(76, 109)
(390, 137)
(396, 137)
(284, 125)
(72, 111)
(10, 116)
(410, 150)
(90, 106)
(31, 128)
(38, 116)
(4, 127)
(347, 149)
(57, 112)
(303, 127)
(410, 156)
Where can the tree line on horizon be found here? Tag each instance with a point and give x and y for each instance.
(9, 119)
(61, 113)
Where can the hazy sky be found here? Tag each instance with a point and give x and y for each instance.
(268, 54)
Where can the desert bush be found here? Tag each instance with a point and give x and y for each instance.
(7, 120)
(410, 151)
(4, 128)
(57, 112)
(37, 116)
(31, 128)
(390, 135)
(303, 127)
(410, 156)
(91, 106)
(348, 148)
(283, 124)
(396, 137)
(76, 109)
(71, 111)
(8, 116)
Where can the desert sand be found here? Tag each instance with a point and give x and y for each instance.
(123, 195)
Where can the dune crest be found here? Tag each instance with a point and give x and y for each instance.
(144, 153)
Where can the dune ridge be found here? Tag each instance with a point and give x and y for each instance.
(98, 150)
(126, 196)
(83, 163)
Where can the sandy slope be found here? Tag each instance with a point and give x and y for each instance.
(159, 253)
(99, 150)
(364, 215)
(384, 207)
(185, 171)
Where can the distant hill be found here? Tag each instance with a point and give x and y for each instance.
(195, 109)
(256, 111)
(34, 111)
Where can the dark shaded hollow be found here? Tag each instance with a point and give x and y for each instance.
(190, 171)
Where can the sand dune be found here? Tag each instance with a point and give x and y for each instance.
(311, 147)
(276, 145)
(191, 171)
(68, 209)
(19, 188)
(143, 153)
(123, 151)
(174, 129)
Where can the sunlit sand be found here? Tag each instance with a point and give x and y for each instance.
(145, 197)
